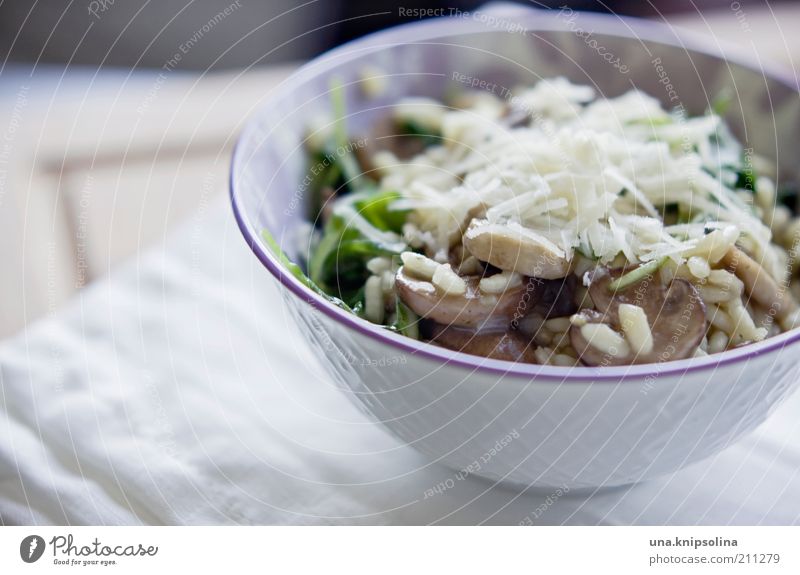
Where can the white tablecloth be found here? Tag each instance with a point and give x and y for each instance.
(176, 392)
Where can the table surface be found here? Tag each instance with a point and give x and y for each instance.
(176, 391)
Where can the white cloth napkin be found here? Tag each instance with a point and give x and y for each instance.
(177, 392)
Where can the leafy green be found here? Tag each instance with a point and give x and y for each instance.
(412, 128)
(406, 321)
(333, 168)
(297, 272)
(636, 275)
(341, 145)
(332, 236)
(349, 241)
(721, 103)
(356, 301)
(660, 121)
(324, 173)
(361, 226)
(746, 178)
(333, 165)
(376, 209)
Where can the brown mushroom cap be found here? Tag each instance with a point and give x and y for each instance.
(676, 314)
(763, 289)
(504, 345)
(473, 309)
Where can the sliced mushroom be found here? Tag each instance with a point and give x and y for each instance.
(512, 247)
(505, 345)
(645, 292)
(675, 314)
(473, 308)
(758, 283)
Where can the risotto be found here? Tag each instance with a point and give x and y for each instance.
(553, 226)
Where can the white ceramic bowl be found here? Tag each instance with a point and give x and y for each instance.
(524, 424)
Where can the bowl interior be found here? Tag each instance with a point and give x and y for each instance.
(437, 58)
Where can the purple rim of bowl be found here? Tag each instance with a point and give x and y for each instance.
(607, 24)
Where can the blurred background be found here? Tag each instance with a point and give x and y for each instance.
(117, 118)
(145, 34)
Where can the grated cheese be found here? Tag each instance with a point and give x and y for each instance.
(585, 175)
